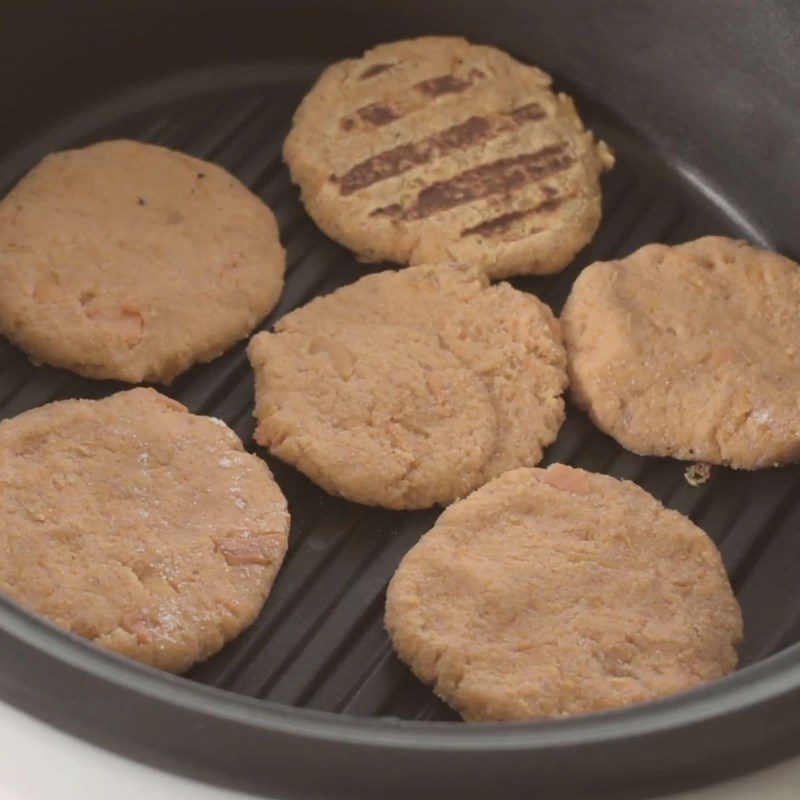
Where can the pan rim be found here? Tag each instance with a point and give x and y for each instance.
(766, 680)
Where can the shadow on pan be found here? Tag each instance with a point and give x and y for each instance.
(310, 701)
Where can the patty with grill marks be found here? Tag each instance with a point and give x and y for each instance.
(435, 149)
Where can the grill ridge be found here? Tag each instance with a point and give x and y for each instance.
(746, 557)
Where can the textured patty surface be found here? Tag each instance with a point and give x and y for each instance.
(435, 149)
(554, 592)
(130, 261)
(411, 388)
(130, 522)
(691, 351)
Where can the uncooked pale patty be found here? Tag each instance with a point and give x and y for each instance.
(411, 388)
(129, 261)
(691, 351)
(558, 591)
(137, 525)
(435, 149)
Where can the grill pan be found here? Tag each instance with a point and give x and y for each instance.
(700, 103)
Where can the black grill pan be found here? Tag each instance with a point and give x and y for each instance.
(310, 701)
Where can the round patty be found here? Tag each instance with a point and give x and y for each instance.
(130, 522)
(411, 388)
(130, 261)
(691, 351)
(435, 149)
(554, 592)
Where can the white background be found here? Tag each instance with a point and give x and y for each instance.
(40, 763)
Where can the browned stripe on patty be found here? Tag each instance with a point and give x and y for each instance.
(375, 69)
(394, 211)
(503, 222)
(495, 225)
(447, 84)
(498, 177)
(551, 204)
(373, 115)
(401, 104)
(404, 157)
(530, 112)
(377, 114)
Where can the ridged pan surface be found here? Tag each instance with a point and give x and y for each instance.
(319, 642)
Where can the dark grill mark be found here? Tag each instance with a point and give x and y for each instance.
(447, 84)
(388, 110)
(407, 156)
(394, 211)
(496, 225)
(375, 69)
(551, 204)
(377, 114)
(527, 113)
(404, 157)
(502, 223)
(498, 177)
